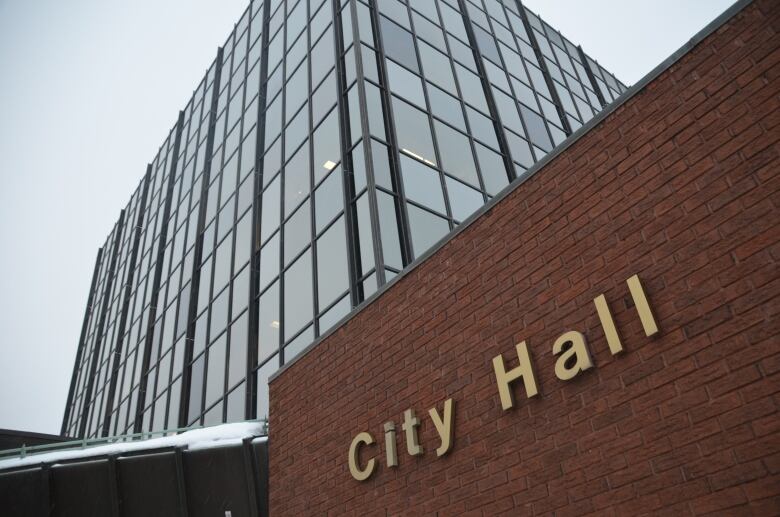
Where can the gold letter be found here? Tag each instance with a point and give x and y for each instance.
(444, 428)
(608, 324)
(354, 450)
(390, 452)
(523, 370)
(642, 307)
(410, 426)
(577, 349)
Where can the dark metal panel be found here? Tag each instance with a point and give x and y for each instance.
(81, 490)
(110, 278)
(260, 456)
(126, 303)
(80, 349)
(216, 482)
(148, 485)
(24, 493)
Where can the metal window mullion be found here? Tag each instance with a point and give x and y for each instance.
(348, 190)
(141, 208)
(591, 76)
(402, 217)
(101, 323)
(312, 201)
(357, 46)
(81, 343)
(545, 72)
(186, 379)
(158, 273)
(503, 144)
(250, 400)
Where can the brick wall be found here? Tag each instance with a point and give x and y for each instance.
(679, 185)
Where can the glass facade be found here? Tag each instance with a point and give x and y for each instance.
(330, 144)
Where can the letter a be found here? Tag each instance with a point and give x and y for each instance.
(578, 350)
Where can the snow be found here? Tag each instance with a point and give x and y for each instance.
(205, 438)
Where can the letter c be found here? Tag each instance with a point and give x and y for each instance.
(354, 451)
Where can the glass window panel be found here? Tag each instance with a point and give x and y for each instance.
(446, 107)
(493, 170)
(241, 291)
(487, 45)
(537, 131)
(238, 346)
(326, 142)
(268, 322)
(329, 199)
(388, 224)
(413, 131)
(324, 98)
(298, 303)
(296, 180)
(399, 44)
(322, 58)
(426, 229)
(235, 404)
(270, 215)
(332, 271)
(521, 152)
(379, 154)
(365, 235)
(219, 314)
(297, 232)
(298, 345)
(269, 261)
(263, 374)
(196, 388)
(482, 127)
(437, 67)
(215, 376)
(405, 84)
(422, 184)
(456, 154)
(471, 87)
(335, 314)
(222, 262)
(464, 200)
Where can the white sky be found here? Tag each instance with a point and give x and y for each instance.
(89, 90)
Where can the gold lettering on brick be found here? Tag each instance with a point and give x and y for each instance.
(443, 427)
(523, 370)
(578, 351)
(354, 452)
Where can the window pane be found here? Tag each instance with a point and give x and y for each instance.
(298, 304)
(456, 154)
(422, 184)
(406, 84)
(413, 131)
(464, 200)
(398, 44)
(426, 229)
(329, 199)
(332, 273)
(268, 323)
(327, 151)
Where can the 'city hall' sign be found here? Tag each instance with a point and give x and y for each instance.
(573, 358)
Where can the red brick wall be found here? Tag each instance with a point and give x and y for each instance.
(680, 185)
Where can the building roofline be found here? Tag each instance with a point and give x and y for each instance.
(667, 63)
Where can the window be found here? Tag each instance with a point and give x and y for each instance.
(298, 304)
(332, 272)
(399, 44)
(413, 132)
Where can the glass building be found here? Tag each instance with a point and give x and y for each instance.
(329, 145)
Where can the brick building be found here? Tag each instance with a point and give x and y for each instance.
(677, 183)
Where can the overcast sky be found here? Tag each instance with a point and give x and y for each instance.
(89, 90)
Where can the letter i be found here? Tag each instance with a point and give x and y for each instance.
(392, 455)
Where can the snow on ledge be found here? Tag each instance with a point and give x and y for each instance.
(205, 438)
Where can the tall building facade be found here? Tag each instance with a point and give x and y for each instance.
(330, 144)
